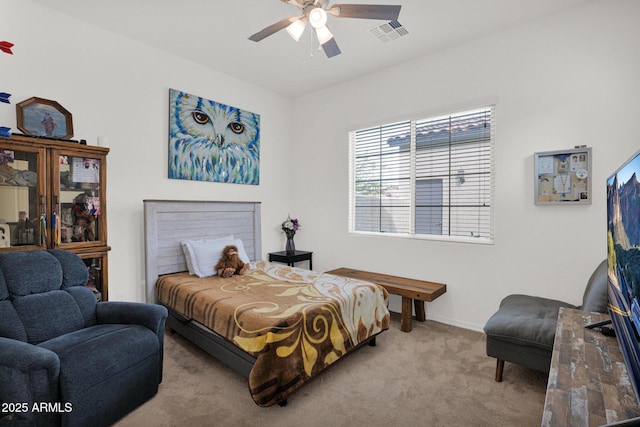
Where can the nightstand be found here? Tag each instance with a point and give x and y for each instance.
(290, 260)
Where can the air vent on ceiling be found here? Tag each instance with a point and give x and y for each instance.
(389, 31)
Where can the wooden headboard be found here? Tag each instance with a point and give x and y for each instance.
(168, 222)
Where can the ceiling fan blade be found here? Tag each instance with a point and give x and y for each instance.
(295, 3)
(331, 48)
(273, 28)
(366, 11)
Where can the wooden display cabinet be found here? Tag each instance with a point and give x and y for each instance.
(53, 195)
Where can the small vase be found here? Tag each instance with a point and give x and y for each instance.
(290, 248)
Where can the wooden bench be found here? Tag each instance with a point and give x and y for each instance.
(409, 289)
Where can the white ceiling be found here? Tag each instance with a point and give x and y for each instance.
(215, 34)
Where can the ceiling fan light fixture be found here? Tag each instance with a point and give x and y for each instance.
(318, 18)
(296, 28)
(323, 34)
(315, 12)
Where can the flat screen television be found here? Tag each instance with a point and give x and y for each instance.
(623, 255)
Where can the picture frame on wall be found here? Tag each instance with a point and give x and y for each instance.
(44, 117)
(563, 177)
(212, 141)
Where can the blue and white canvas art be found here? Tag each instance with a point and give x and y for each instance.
(210, 141)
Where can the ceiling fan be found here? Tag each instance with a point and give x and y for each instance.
(315, 12)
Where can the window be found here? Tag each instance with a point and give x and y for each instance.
(425, 178)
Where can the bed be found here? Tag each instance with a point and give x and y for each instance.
(276, 325)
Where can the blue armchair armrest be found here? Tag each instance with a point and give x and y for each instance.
(151, 316)
(28, 375)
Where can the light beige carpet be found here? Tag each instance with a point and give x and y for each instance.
(436, 375)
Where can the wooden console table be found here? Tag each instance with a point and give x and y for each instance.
(410, 289)
(587, 380)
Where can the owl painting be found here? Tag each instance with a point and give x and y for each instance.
(209, 141)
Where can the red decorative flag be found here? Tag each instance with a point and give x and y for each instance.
(6, 47)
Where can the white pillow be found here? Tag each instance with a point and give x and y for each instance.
(242, 253)
(206, 255)
(191, 249)
(187, 256)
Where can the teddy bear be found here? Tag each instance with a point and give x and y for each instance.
(84, 228)
(230, 263)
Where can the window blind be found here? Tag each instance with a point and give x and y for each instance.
(430, 177)
(382, 180)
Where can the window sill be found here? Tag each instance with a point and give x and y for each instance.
(450, 239)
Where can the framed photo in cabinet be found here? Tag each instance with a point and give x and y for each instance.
(43, 117)
(5, 236)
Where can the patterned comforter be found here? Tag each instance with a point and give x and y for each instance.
(295, 322)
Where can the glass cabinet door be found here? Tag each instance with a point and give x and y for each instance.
(97, 268)
(77, 217)
(23, 213)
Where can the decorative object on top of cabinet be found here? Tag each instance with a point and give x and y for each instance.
(563, 176)
(53, 195)
(43, 117)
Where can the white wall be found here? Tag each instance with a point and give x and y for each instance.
(567, 80)
(118, 88)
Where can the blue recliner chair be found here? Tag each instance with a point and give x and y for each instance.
(66, 359)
